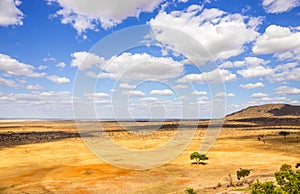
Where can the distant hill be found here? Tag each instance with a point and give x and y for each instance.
(274, 114)
(267, 110)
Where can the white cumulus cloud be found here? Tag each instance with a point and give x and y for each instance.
(259, 95)
(135, 93)
(277, 39)
(34, 87)
(215, 76)
(255, 61)
(200, 93)
(288, 71)
(7, 82)
(258, 71)
(9, 13)
(248, 61)
(88, 14)
(229, 64)
(143, 66)
(126, 86)
(165, 92)
(85, 60)
(252, 85)
(61, 65)
(285, 90)
(98, 98)
(58, 80)
(50, 104)
(97, 95)
(127, 66)
(181, 86)
(230, 95)
(42, 67)
(279, 6)
(14, 67)
(223, 35)
(224, 94)
(149, 99)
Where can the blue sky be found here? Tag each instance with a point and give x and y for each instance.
(179, 59)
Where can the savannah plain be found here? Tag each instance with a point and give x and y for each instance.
(50, 157)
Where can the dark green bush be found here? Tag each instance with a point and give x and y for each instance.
(190, 190)
(198, 157)
(242, 173)
(288, 182)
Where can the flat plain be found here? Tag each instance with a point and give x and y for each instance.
(50, 157)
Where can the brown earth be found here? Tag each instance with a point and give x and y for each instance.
(268, 114)
(40, 164)
(267, 111)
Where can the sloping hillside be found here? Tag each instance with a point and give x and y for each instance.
(274, 114)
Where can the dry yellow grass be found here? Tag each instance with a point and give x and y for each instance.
(68, 166)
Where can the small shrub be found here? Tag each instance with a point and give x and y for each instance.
(284, 133)
(262, 188)
(285, 167)
(230, 180)
(200, 158)
(259, 138)
(190, 190)
(242, 173)
(287, 180)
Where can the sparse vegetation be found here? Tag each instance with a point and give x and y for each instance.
(230, 180)
(285, 167)
(287, 180)
(242, 173)
(260, 137)
(262, 188)
(236, 148)
(284, 133)
(199, 158)
(190, 190)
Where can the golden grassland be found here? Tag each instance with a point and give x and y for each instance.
(66, 165)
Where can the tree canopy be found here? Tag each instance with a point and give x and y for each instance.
(288, 182)
(242, 173)
(199, 158)
(284, 133)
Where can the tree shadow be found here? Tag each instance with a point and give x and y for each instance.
(197, 163)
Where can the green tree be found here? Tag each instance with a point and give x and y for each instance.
(242, 173)
(190, 190)
(284, 133)
(267, 187)
(285, 167)
(199, 158)
(288, 180)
